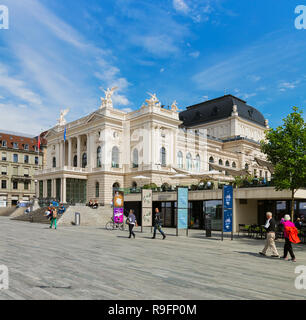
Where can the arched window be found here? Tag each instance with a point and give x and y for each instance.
(116, 185)
(115, 157)
(163, 160)
(75, 161)
(220, 162)
(197, 163)
(180, 159)
(97, 189)
(211, 160)
(99, 157)
(54, 162)
(84, 160)
(234, 165)
(135, 158)
(188, 161)
(227, 164)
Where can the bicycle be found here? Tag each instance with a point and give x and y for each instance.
(111, 225)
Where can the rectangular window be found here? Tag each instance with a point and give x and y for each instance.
(15, 158)
(4, 144)
(26, 147)
(4, 171)
(15, 145)
(4, 158)
(36, 160)
(26, 172)
(26, 185)
(15, 171)
(3, 184)
(49, 188)
(26, 159)
(15, 185)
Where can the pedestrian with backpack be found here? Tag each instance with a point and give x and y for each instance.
(53, 218)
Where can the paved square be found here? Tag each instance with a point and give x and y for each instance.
(92, 263)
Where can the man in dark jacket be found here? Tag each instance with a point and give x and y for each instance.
(157, 224)
(270, 227)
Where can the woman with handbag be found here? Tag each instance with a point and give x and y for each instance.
(131, 221)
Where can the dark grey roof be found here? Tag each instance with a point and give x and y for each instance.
(219, 108)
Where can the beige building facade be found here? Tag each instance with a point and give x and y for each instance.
(109, 148)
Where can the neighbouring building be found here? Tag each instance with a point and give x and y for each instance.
(20, 160)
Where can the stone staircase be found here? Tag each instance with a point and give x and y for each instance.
(37, 216)
(6, 212)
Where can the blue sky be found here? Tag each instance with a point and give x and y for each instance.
(57, 54)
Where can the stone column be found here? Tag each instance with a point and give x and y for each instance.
(79, 151)
(69, 152)
(88, 150)
(63, 189)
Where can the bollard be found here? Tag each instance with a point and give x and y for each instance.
(77, 218)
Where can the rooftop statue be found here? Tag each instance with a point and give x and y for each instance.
(62, 121)
(153, 101)
(174, 106)
(107, 101)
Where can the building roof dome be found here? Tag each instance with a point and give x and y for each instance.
(218, 109)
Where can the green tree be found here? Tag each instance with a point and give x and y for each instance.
(285, 148)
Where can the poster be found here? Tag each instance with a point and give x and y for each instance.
(146, 201)
(227, 209)
(182, 198)
(182, 218)
(182, 208)
(147, 198)
(118, 215)
(118, 202)
(147, 217)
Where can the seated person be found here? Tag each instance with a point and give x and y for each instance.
(61, 209)
(90, 203)
(95, 205)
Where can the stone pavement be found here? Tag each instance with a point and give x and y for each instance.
(93, 263)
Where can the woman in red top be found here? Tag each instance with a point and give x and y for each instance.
(289, 228)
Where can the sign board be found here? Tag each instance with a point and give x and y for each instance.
(227, 209)
(118, 206)
(182, 208)
(146, 202)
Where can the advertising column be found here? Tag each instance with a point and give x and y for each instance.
(118, 201)
(227, 210)
(182, 210)
(146, 204)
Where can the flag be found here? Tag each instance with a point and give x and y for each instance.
(65, 134)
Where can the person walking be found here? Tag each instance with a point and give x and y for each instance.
(53, 218)
(270, 241)
(291, 236)
(157, 224)
(131, 221)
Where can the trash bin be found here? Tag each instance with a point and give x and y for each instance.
(77, 218)
(208, 225)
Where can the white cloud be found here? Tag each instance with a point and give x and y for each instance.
(180, 5)
(284, 86)
(194, 54)
(17, 87)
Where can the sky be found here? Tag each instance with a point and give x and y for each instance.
(60, 54)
